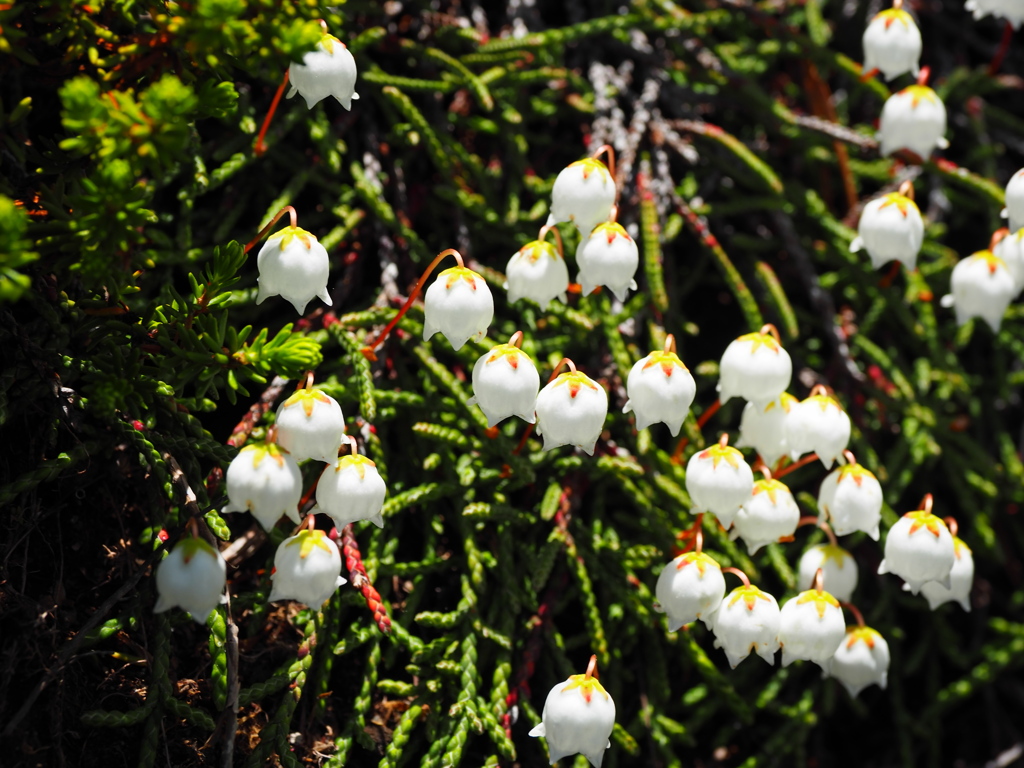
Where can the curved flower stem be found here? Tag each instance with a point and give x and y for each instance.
(609, 150)
(819, 389)
(923, 75)
(819, 580)
(848, 455)
(613, 213)
(271, 438)
(563, 361)
(769, 328)
(723, 441)
(369, 347)
(592, 668)
(277, 217)
(670, 344)
(1004, 46)
(516, 340)
(710, 411)
(897, 4)
(558, 237)
(738, 572)
(856, 613)
(808, 459)
(309, 522)
(997, 237)
(694, 535)
(907, 189)
(193, 527)
(306, 382)
(763, 469)
(951, 524)
(811, 520)
(926, 503)
(259, 147)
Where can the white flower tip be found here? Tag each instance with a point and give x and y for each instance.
(883, 567)
(162, 604)
(857, 244)
(942, 143)
(537, 730)
(378, 520)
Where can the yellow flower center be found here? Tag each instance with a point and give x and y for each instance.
(758, 340)
(575, 380)
(902, 202)
(921, 519)
(749, 595)
(585, 685)
(452, 275)
(895, 14)
(290, 233)
(611, 230)
(862, 635)
(668, 361)
(820, 600)
(992, 261)
(273, 450)
(591, 165)
(538, 249)
(358, 461)
(771, 487)
(719, 453)
(192, 545)
(701, 560)
(308, 398)
(917, 93)
(506, 352)
(855, 472)
(306, 540)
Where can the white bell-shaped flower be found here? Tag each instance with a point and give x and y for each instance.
(1011, 10)
(767, 516)
(748, 620)
(1010, 248)
(719, 481)
(584, 193)
(459, 305)
(818, 424)
(293, 265)
(690, 587)
(981, 286)
(811, 626)
(506, 383)
(919, 548)
(578, 717)
(310, 425)
(538, 272)
(307, 568)
(862, 659)
(892, 44)
(1014, 209)
(571, 411)
(763, 428)
(839, 570)
(851, 499)
(754, 367)
(191, 577)
(328, 70)
(961, 579)
(660, 388)
(352, 490)
(914, 119)
(608, 256)
(265, 480)
(890, 229)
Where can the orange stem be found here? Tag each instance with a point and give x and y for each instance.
(516, 339)
(670, 343)
(1004, 46)
(951, 524)
(856, 613)
(609, 150)
(738, 572)
(819, 580)
(808, 459)
(592, 668)
(558, 237)
(926, 503)
(848, 455)
(997, 237)
(907, 189)
(923, 75)
(259, 147)
(277, 217)
(769, 328)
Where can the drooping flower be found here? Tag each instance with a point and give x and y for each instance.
(1015, 201)
(690, 587)
(459, 305)
(328, 70)
(265, 480)
(571, 410)
(294, 266)
(660, 388)
(748, 620)
(767, 516)
(584, 193)
(862, 659)
(961, 579)
(892, 44)
(351, 490)
(919, 548)
(839, 570)
(763, 428)
(310, 425)
(578, 717)
(307, 568)
(851, 499)
(1011, 10)
(191, 577)
(719, 481)
(755, 367)
(506, 383)
(818, 424)
(914, 119)
(891, 229)
(537, 272)
(1010, 248)
(981, 286)
(608, 256)
(811, 627)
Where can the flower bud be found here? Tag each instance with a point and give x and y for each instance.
(1015, 201)
(891, 229)
(811, 626)
(919, 549)
(851, 499)
(838, 569)
(690, 587)
(660, 388)
(769, 514)
(265, 480)
(914, 119)
(307, 568)
(608, 257)
(352, 490)
(892, 44)
(763, 428)
(294, 266)
(571, 411)
(1011, 10)
(862, 659)
(748, 620)
(754, 367)
(191, 577)
(310, 425)
(578, 717)
(538, 273)
(584, 193)
(961, 578)
(505, 383)
(1011, 250)
(719, 481)
(981, 286)
(459, 305)
(818, 424)
(328, 70)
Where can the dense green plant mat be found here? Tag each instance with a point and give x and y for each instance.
(131, 347)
